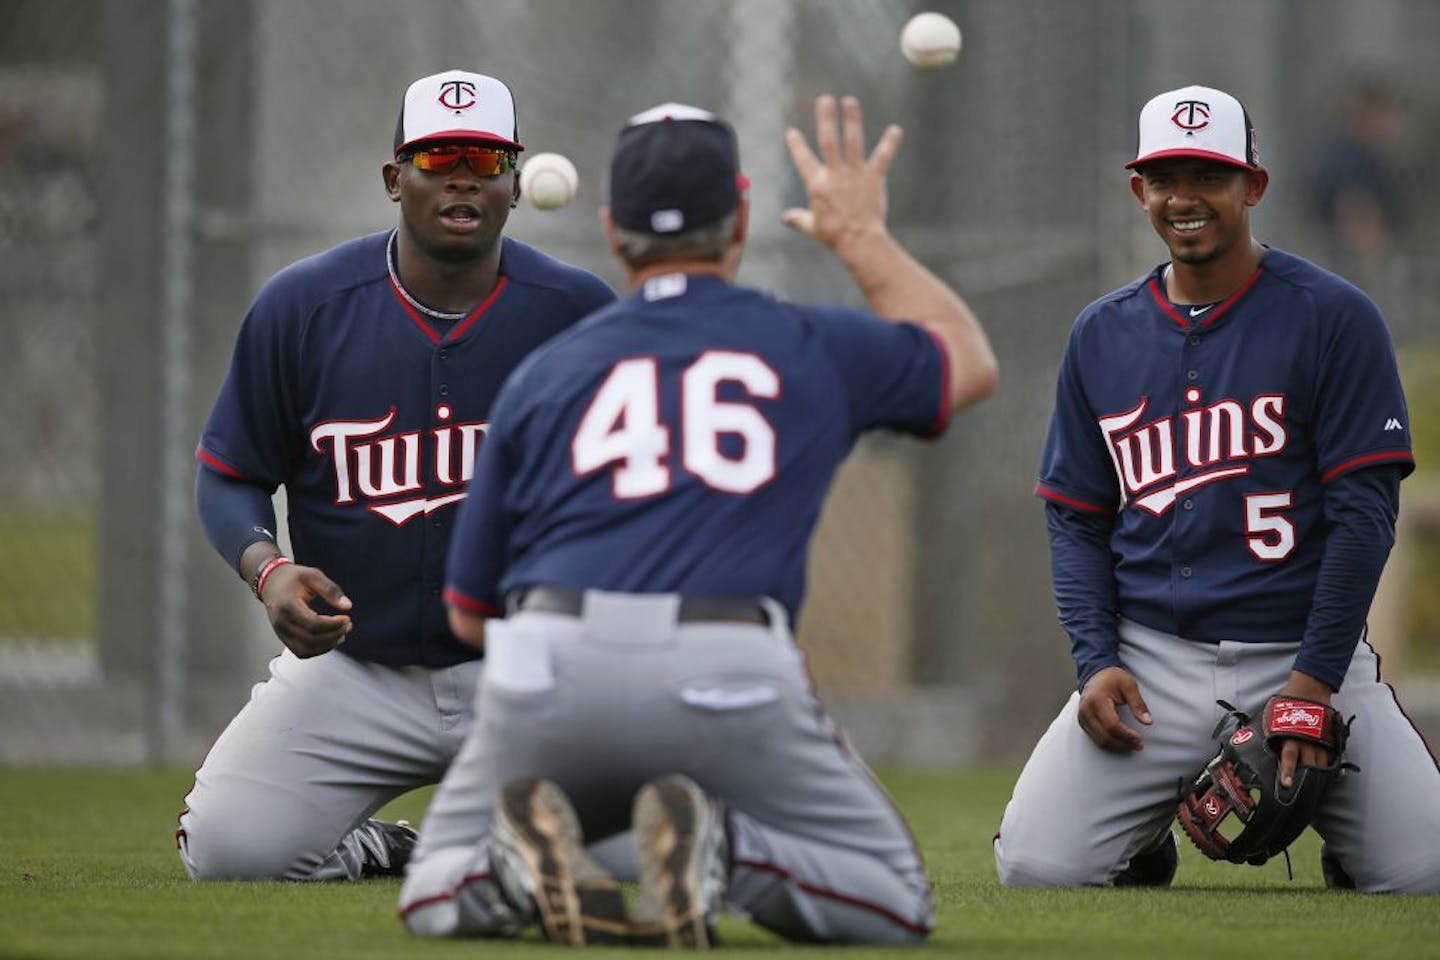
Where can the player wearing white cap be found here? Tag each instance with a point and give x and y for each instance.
(361, 381)
(1221, 481)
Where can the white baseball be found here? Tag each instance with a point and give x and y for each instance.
(548, 181)
(930, 41)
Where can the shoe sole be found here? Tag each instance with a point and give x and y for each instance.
(547, 834)
(669, 821)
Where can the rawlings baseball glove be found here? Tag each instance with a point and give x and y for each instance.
(1244, 779)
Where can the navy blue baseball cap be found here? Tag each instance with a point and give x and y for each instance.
(675, 168)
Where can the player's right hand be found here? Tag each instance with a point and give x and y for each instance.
(845, 186)
(1100, 700)
(287, 596)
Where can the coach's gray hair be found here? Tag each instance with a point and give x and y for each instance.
(704, 243)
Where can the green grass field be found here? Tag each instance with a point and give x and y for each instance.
(88, 870)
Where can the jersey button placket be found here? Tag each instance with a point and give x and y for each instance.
(1183, 519)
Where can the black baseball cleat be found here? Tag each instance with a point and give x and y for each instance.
(682, 855)
(1335, 876)
(1154, 867)
(542, 869)
(385, 847)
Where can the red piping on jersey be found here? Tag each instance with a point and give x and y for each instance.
(1354, 463)
(480, 608)
(1214, 313)
(837, 896)
(460, 327)
(1047, 493)
(214, 463)
(425, 328)
(475, 314)
(450, 894)
(942, 417)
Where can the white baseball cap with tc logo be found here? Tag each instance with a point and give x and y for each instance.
(457, 105)
(1196, 122)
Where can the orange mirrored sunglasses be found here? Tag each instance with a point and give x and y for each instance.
(485, 161)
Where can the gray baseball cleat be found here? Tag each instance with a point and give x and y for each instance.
(683, 859)
(1154, 867)
(544, 873)
(385, 848)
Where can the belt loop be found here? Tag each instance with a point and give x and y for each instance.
(775, 612)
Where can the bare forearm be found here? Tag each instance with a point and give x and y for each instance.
(898, 287)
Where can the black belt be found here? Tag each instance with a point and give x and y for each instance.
(693, 609)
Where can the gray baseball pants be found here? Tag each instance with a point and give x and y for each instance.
(1079, 813)
(603, 702)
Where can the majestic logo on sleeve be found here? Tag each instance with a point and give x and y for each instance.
(386, 471)
(1210, 443)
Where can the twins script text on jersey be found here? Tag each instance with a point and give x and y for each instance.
(1211, 441)
(373, 417)
(379, 468)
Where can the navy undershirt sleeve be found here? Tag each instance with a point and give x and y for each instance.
(234, 513)
(1360, 508)
(1083, 576)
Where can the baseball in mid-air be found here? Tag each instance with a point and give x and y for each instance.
(930, 41)
(548, 181)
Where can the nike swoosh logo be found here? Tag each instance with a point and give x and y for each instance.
(1196, 311)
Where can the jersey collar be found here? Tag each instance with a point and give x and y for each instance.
(1208, 319)
(418, 314)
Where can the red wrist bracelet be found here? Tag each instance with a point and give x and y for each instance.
(263, 574)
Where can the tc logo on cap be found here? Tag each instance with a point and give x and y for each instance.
(457, 95)
(1191, 115)
(1199, 122)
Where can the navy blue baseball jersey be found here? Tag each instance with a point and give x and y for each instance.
(372, 414)
(1210, 433)
(682, 440)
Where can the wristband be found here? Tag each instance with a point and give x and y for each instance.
(263, 574)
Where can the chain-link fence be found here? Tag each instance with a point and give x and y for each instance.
(161, 159)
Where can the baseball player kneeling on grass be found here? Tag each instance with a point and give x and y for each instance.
(1221, 481)
(362, 381)
(640, 516)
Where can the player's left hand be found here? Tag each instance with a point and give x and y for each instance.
(1295, 752)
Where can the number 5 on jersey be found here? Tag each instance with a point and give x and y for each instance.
(622, 426)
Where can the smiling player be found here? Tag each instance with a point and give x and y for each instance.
(1221, 480)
